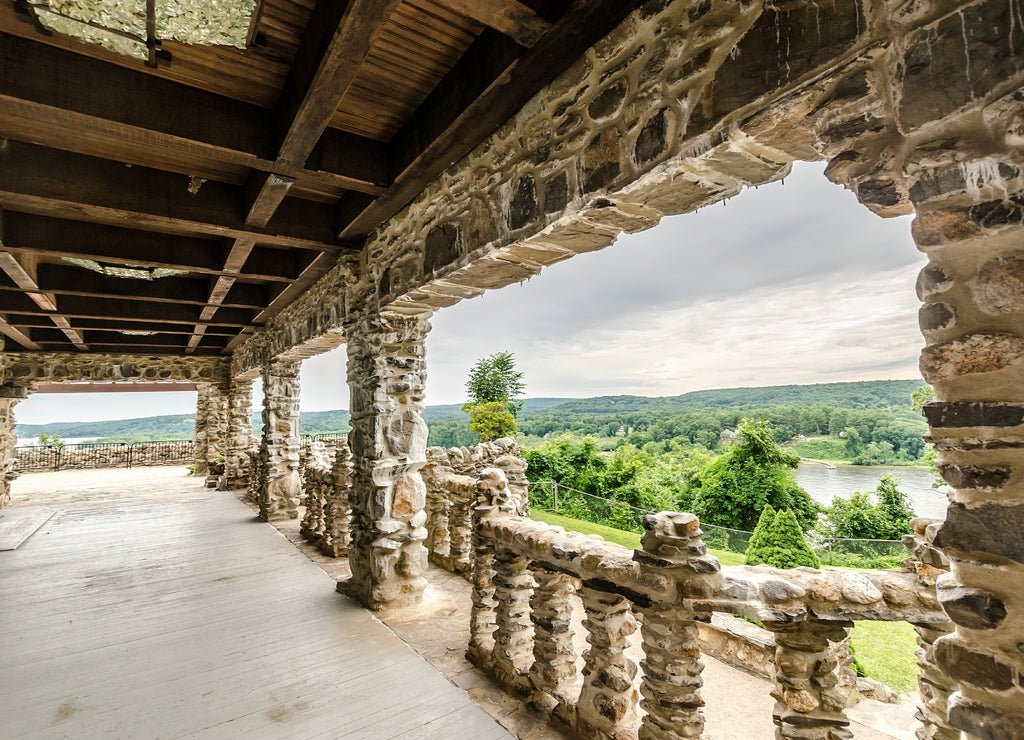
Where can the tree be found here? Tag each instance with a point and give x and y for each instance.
(783, 545)
(734, 488)
(491, 420)
(860, 517)
(759, 538)
(495, 379)
(924, 394)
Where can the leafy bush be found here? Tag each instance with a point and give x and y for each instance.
(859, 517)
(782, 545)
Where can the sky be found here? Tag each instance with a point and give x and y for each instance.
(793, 282)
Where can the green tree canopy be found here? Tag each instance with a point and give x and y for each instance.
(734, 488)
(495, 379)
(783, 545)
(491, 420)
(860, 517)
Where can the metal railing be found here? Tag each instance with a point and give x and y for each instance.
(104, 455)
(561, 499)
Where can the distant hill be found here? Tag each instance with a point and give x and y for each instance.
(876, 394)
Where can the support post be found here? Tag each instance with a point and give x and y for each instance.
(388, 441)
(239, 439)
(280, 485)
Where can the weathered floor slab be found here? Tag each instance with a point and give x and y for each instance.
(165, 610)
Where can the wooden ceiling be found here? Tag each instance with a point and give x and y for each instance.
(226, 181)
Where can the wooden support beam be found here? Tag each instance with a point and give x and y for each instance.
(29, 283)
(145, 311)
(48, 182)
(474, 99)
(139, 118)
(39, 323)
(40, 235)
(9, 330)
(512, 18)
(322, 72)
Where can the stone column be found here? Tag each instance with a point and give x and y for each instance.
(202, 440)
(513, 636)
(554, 654)
(970, 223)
(337, 506)
(9, 398)
(280, 486)
(386, 375)
(239, 439)
(808, 705)
(673, 546)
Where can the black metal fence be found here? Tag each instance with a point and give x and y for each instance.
(105, 455)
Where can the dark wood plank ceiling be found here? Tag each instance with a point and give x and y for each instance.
(172, 209)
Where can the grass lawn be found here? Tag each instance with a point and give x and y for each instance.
(884, 649)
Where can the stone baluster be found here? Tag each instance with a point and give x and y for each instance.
(491, 503)
(386, 374)
(609, 700)
(281, 488)
(312, 525)
(970, 223)
(808, 703)
(337, 513)
(239, 434)
(554, 654)
(460, 536)
(934, 686)
(673, 546)
(512, 655)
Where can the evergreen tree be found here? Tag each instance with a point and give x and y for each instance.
(784, 545)
(759, 537)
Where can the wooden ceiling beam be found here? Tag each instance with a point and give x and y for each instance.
(39, 323)
(45, 181)
(53, 237)
(488, 85)
(144, 311)
(113, 387)
(511, 18)
(13, 332)
(141, 119)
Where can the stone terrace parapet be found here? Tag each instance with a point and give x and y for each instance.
(527, 574)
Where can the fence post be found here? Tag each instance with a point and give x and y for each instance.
(56, 464)
(128, 458)
(554, 495)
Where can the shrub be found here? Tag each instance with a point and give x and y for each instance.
(783, 544)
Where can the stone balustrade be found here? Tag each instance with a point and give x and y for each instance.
(530, 577)
(450, 476)
(328, 489)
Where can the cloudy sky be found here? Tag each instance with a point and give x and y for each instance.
(789, 283)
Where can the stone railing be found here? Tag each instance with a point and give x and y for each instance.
(529, 579)
(450, 476)
(327, 483)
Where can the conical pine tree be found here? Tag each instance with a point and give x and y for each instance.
(759, 535)
(785, 546)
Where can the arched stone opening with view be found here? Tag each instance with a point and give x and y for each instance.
(915, 108)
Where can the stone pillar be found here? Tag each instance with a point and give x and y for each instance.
(608, 700)
(808, 705)
(239, 439)
(970, 223)
(673, 546)
(8, 440)
(202, 444)
(491, 502)
(513, 636)
(386, 375)
(337, 506)
(280, 485)
(554, 654)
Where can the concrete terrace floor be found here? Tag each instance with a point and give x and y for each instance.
(150, 606)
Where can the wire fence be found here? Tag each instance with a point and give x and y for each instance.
(554, 497)
(104, 455)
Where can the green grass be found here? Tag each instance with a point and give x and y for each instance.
(829, 449)
(886, 650)
(626, 539)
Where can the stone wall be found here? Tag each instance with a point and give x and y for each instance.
(28, 369)
(280, 486)
(327, 483)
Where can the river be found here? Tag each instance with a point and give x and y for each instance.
(824, 483)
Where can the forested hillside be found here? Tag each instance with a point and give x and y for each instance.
(854, 415)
